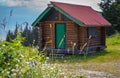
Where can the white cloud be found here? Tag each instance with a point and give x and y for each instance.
(28, 3)
(13, 2)
(42, 4)
(34, 4)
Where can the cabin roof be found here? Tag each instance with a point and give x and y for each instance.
(82, 15)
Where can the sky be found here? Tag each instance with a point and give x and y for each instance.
(20, 11)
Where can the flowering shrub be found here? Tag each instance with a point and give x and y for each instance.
(18, 61)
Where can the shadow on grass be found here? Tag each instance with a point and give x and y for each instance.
(97, 57)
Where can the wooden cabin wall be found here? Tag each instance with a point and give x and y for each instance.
(98, 40)
(48, 34)
(75, 35)
(82, 31)
(47, 37)
(72, 35)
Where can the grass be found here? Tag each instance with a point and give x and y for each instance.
(107, 55)
(107, 60)
(112, 52)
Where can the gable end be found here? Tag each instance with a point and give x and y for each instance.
(41, 16)
(59, 10)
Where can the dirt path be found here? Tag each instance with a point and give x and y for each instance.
(91, 70)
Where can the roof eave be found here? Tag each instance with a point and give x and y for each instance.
(97, 25)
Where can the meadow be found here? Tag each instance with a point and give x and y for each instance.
(105, 62)
(18, 61)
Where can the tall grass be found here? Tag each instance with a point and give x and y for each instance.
(113, 40)
(112, 52)
(18, 61)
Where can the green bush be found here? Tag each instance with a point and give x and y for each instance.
(18, 61)
(114, 39)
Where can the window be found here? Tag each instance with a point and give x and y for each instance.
(92, 31)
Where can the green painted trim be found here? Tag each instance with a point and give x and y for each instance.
(41, 16)
(69, 16)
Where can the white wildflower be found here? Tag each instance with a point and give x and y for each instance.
(8, 63)
(13, 70)
(47, 58)
(22, 56)
(18, 60)
(33, 40)
(16, 65)
(2, 71)
(28, 63)
(3, 45)
(14, 74)
(30, 58)
(8, 72)
(52, 68)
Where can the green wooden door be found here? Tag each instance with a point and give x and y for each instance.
(60, 36)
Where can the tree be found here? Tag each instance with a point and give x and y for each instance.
(10, 36)
(30, 35)
(16, 30)
(35, 35)
(111, 11)
(26, 34)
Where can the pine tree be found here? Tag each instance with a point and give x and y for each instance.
(25, 35)
(111, 11)
(30, 35)
(16, 30)
(10, 36)
(35, 35)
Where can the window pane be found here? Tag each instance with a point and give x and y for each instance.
(92, 31)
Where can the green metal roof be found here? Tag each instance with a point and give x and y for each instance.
(61, 11)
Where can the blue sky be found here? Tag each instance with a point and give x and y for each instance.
(19, 11)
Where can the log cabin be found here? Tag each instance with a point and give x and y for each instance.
(66, 27)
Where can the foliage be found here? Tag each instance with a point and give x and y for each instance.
(111, 11)
(10, 36)
(18, 61)
(42, 71)
(30, 35)
(113, 40)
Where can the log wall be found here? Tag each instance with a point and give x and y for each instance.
(98, 40)
(72, 35)
(76, 36)
(48, 31)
